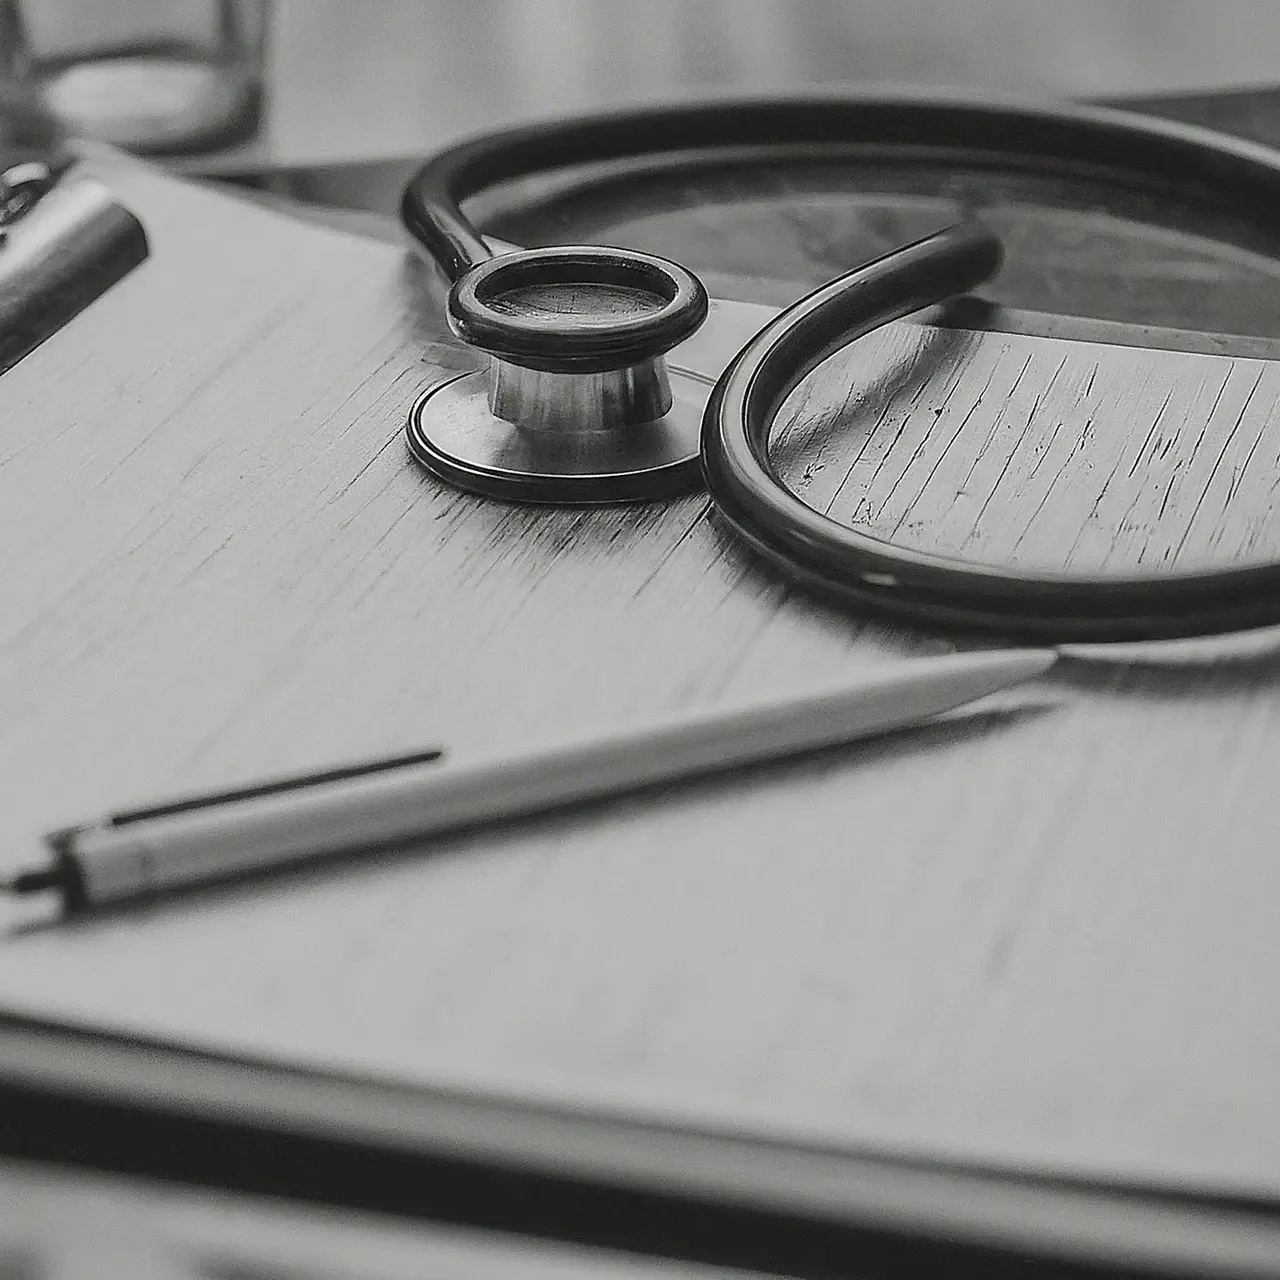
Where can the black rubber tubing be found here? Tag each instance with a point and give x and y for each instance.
(1155, 156)
(1139, 152)
(835, 559)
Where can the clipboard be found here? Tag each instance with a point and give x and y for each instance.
(64, 240)
(221, 565)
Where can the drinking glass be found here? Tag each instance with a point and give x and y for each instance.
(147, 75)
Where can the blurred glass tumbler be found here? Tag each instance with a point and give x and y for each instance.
(147, 75)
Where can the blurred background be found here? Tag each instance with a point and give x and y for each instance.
(331, 101)
(354, 80)
(350, 77)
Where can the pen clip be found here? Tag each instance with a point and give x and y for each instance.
(273, 786)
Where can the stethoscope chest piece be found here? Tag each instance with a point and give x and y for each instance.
(577, 404)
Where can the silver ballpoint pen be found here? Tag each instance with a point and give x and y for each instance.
(274, 825)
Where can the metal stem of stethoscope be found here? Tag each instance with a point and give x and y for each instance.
(577, 404)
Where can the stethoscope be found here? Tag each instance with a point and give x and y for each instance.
(581, 403)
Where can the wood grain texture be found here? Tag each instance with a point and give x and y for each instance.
(1046, 454)
(1044, 939)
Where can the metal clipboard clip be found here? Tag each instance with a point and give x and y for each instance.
(64, 240)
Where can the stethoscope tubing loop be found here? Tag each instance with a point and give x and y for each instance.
(1151, 157)
(754, 499)
(1142, 152)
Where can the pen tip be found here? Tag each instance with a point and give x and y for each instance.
(1039, 660)
(1031, 663)
(1013, 665)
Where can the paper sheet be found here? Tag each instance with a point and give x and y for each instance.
(1043, 940)
(760, 956)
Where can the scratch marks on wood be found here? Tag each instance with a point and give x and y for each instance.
(1217, 462)
(1021, 440)
(1155, 426)
(946, 449)
(375, 457)
(1056, 455)
(210, 377)
(1140, 495)
(674, 550)
(981, 452)
(556, 538)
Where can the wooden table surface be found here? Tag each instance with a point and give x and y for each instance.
(1043, 939)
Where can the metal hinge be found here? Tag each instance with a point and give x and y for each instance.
(21, 188)
(64, 240)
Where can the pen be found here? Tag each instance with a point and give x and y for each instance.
(256, 829)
